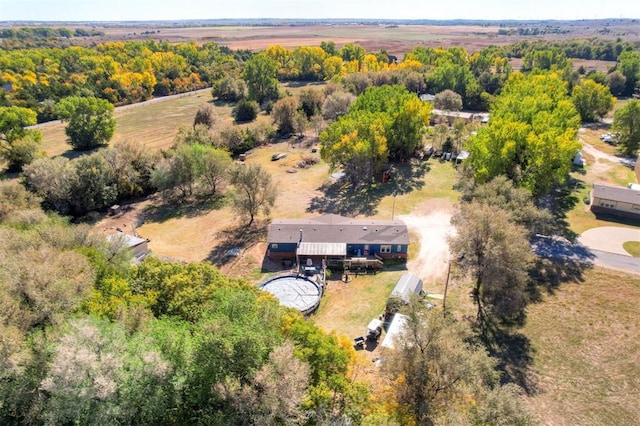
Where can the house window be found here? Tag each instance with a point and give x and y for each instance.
(274, 245)
(399, 249)
(385, 249)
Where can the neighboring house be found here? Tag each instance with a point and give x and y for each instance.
(637, 168)
(332, 238)
(615, 200)
(440, 116)
(137, 245)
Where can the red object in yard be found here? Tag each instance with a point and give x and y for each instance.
(386, 176)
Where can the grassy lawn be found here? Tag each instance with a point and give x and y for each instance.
(156, 124)
(585, 343)
(632, 247)
(347, 308)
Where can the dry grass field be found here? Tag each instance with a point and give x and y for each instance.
(396, 39)
(585, 345)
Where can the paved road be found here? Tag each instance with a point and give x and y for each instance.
(616, 261)
(563, 250)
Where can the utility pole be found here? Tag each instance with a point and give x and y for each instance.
(393, 210)
(446, 287)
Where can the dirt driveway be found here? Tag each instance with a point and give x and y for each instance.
(431, 220)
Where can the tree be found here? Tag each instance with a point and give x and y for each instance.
(245, 111)
(616, 82)
(255, 191)
(357, 143)
(532, 135)
(284, 114)
(311, 101)
(93, 186)
(260, 76)
(205, 116)
(90, 121)
(592, 100)
(176, 175)
(51, 179)
(228, 89)
(437, 374)
(501, 193)
(497, 255)
(337, 104)
(448, 100)
(211, 167)
(629, 67)
(408, 116)
(626, 124)
(18, 145)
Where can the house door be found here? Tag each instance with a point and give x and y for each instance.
(366, 249)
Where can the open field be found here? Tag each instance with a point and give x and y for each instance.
(155, 124)
(585, 343)
(396, 39)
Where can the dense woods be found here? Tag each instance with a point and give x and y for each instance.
(87, 338)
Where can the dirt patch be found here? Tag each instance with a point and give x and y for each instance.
(431, 220)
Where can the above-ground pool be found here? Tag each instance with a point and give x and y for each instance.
(295, 291)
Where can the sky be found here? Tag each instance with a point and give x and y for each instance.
(143, 10)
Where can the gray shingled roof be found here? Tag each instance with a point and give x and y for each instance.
(333, 228)
(616, 193)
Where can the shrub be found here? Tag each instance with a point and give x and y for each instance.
(245, 111)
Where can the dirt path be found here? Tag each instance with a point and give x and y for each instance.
(431, 220)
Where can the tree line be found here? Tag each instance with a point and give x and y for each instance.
(87, 338)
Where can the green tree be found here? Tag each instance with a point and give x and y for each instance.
(255, 191)
(629, 67)
(93, 185)
(90, 121)
(592, 100)
(497, 255)
(356, 143)
(626, 124)
(18, 145)
(532, 135)
(408, 116)
(616, 82)
(228, 89)
(260, 75)
(245, 111)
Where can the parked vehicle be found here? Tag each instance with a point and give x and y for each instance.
(276, 157)
(374, 329)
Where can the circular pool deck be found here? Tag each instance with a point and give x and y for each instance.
(295, 291)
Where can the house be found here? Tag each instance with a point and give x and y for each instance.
(137, 245)
(334, 239)
(615, 200)
(440, 116)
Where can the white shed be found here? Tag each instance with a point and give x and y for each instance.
(137, 245)
(397, 326)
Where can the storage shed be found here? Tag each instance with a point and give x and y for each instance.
(397, 326)
(407, 285)
(137, 245)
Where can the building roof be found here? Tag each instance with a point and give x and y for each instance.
(129, 240)
(396, 328)
(322, 249)
(454, 114)
(616, 193)
(332, 228)
(407, 285)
